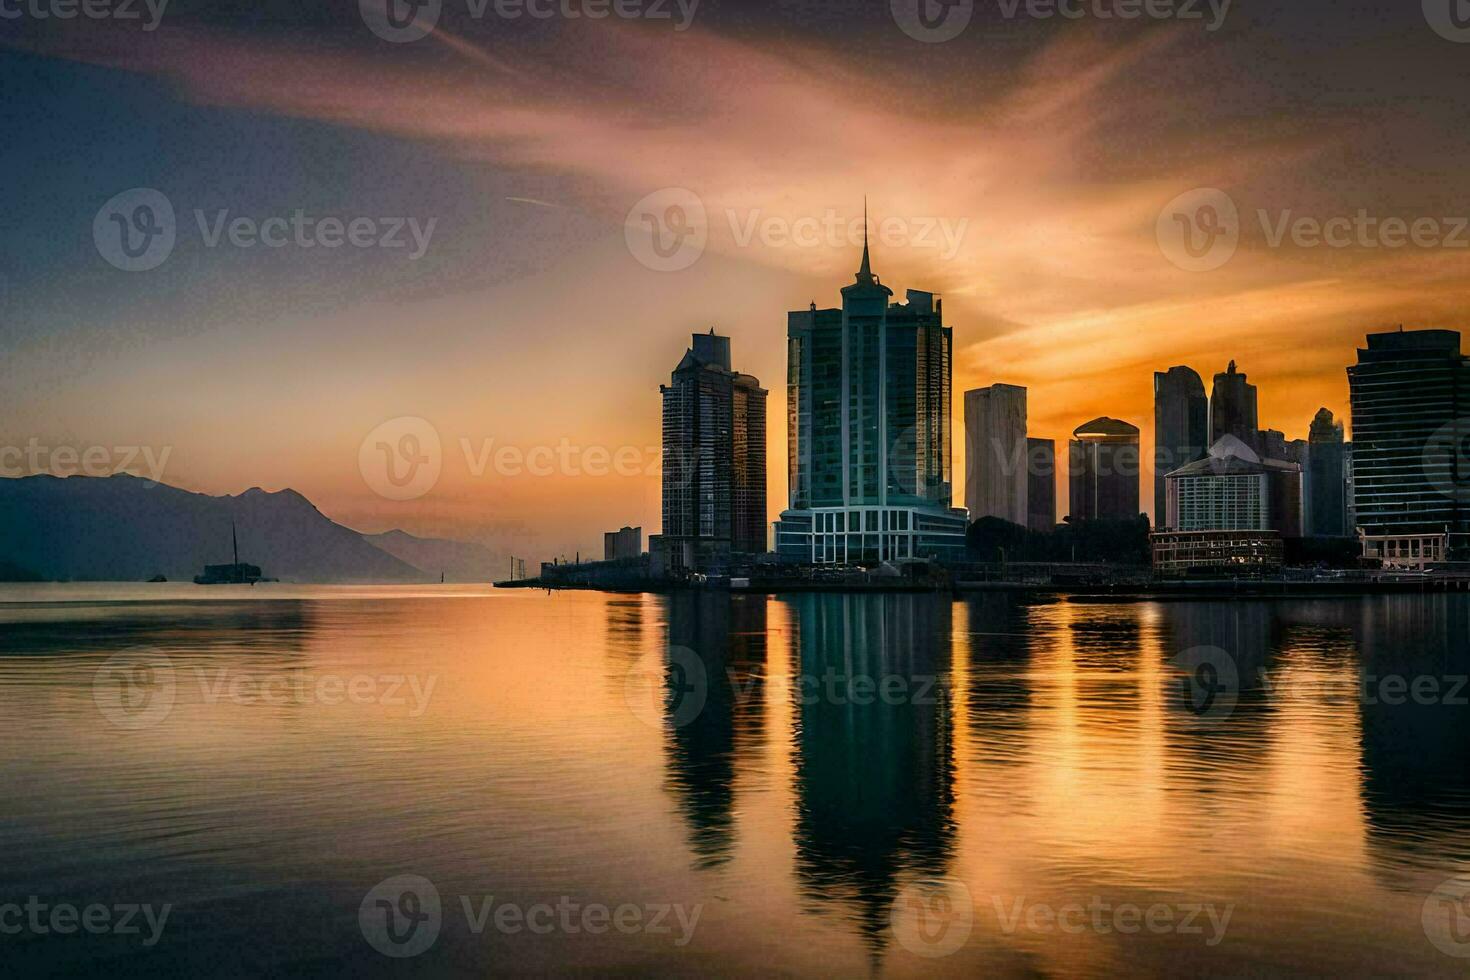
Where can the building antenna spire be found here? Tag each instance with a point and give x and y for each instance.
(865, 274)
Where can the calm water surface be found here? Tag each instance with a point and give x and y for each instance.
(834, 785)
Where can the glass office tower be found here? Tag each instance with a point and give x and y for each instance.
(868, 429)
(1410, 394)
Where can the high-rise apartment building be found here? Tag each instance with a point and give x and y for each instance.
(1041, 493)
(1181, 429)
(1233, 408)
(1326, 492)
(714, 461)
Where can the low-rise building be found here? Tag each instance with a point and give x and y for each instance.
(626, 542)
(1229, 512)
(1242, 552)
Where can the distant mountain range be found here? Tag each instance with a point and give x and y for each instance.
(459, 561)
(126, 529)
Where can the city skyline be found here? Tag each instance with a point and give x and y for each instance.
(1057, 282)
(735, 487)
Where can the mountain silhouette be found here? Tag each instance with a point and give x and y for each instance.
(459, 561)
(126, 529)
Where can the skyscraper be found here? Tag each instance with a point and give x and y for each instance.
(1233, 408)
(714, 456)
(996, 477)
(1103, 461)
(1411, 446)
(1181, 429)
(1041, 493)
(868, 430)
(1326, 478)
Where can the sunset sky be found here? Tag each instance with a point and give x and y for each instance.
(1047, 147)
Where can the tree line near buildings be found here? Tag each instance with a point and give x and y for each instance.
(1123, 542)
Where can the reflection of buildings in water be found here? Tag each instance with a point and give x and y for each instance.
(1249, 631)
(624, 637)
(265, 630)
(266, 641)
(1002, 634)
(728, 636)
(1415, 773)
(1217, 742)
(875, 770)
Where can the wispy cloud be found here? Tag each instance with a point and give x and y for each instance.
(1056, 168)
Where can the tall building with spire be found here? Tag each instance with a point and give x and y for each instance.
(1181, 429)
(868, 429)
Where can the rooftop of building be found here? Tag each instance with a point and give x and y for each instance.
(711, 352)
(1231, 457)
(1401, 339)
(997, 388)
(1105, 428)
(1185, 375)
